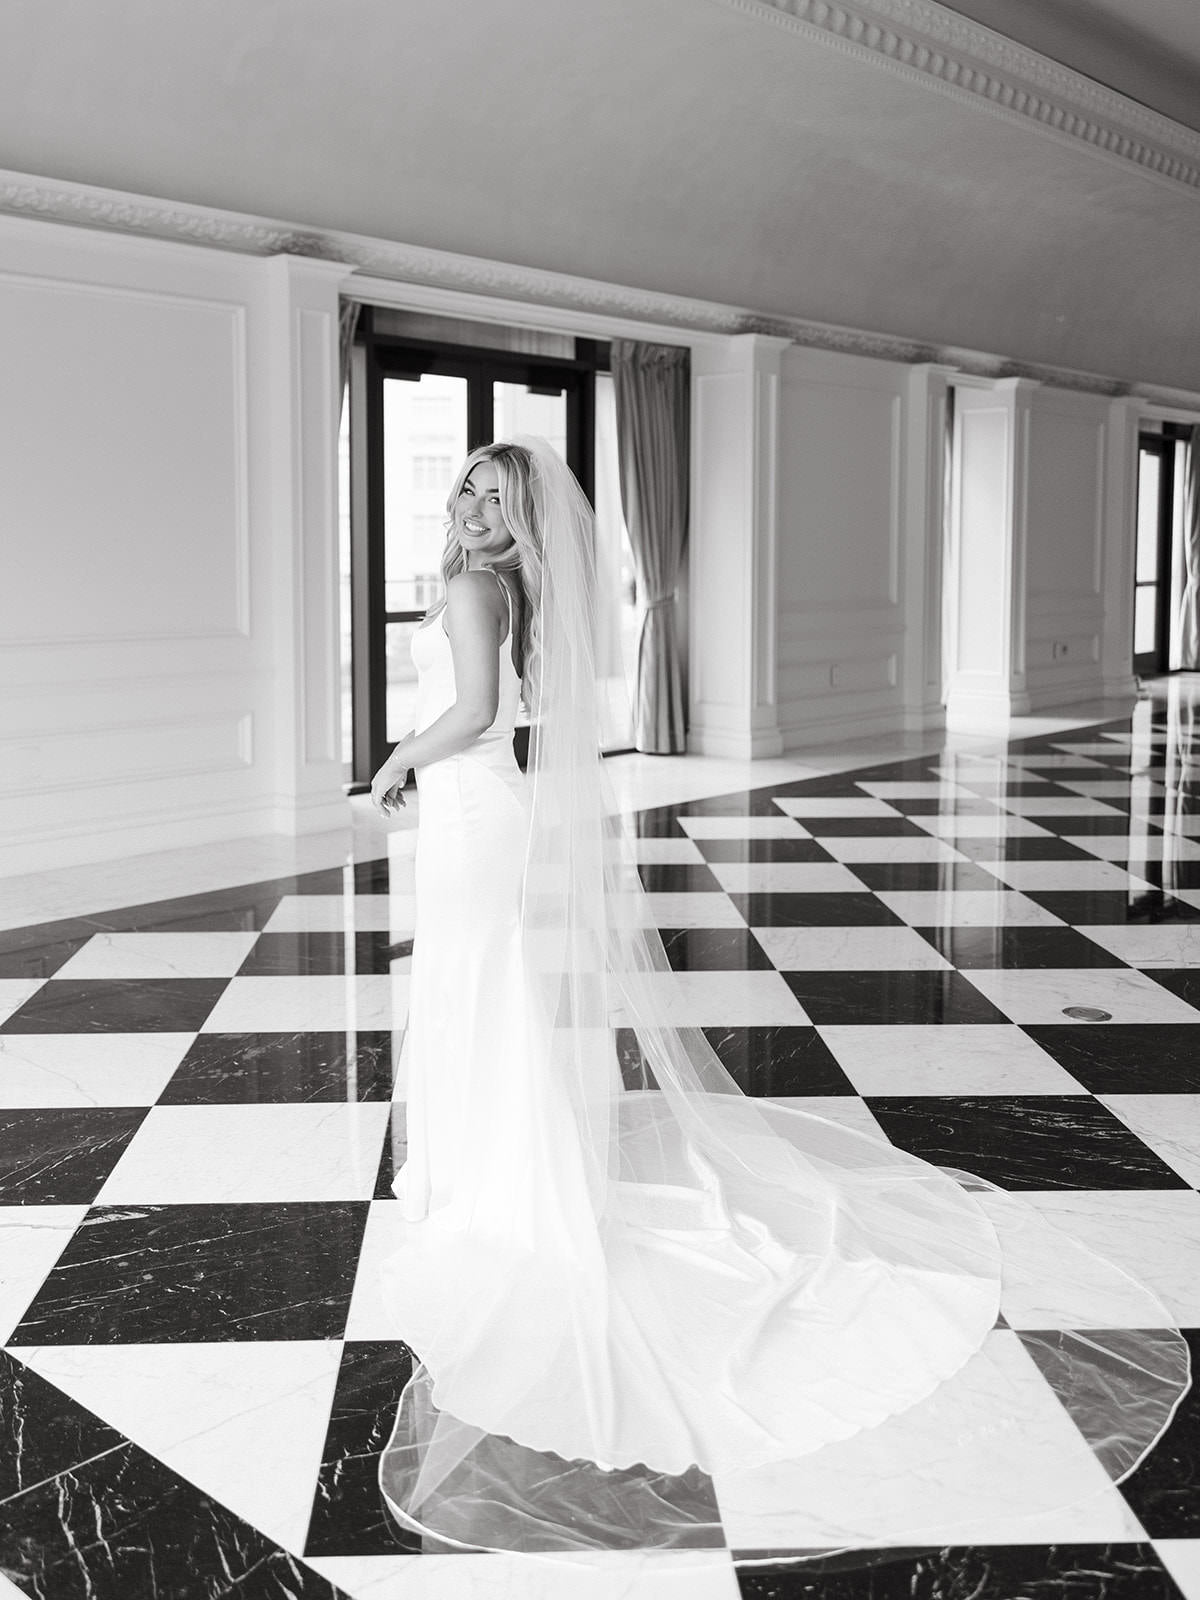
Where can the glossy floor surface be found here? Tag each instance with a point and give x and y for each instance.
(988, 953)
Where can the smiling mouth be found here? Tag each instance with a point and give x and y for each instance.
(471, 526)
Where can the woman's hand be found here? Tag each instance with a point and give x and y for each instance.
(387, 784)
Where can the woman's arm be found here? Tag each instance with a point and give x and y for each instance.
(474, 619)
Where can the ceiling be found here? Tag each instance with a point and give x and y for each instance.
(1147, 49)
(674, 145)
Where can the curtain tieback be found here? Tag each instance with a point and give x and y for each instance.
(663, 600)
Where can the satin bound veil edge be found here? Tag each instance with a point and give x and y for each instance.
(702, 1297)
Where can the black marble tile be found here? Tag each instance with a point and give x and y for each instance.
(1038, 788)
(1164, 1491)
(675, 877)
(329, 880)
(171, 1274)
(824, 910)
(864, 998)
(1171, 875)
(779, 1061)
(274, 1068)
(372, 877)
(1081, 907)
(922, 875)
(1019, 947)
(1183, 981)
(1091, 826)
(291, 953)
(658, 822)
(61, 1155)
(1125, 1057)
(41, 959)
(1025, 1142)
(840, 786)
(714, 950)
(1021, 847)
(770, 850)
(394, 1151)
(91, 1516)
(117, 1005)
(745, 803)
(968, 1572)
(349, 1516)
(931, 805)
(863, 828)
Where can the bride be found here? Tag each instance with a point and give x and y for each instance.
(637, 1298)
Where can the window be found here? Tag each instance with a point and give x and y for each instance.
(432, 473)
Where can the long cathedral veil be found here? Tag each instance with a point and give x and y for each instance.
(701, 1305)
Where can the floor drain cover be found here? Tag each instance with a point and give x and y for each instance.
(1087, 1013)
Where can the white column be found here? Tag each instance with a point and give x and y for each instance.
(1120, 524)
(986, 576)
(733, 709)
(923, 545)
(303, 381)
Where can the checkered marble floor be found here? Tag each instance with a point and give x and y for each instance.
(990, 960)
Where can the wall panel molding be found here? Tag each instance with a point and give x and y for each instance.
(389, 271)
(929, 44)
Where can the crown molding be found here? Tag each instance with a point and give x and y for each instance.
(929, 44)
(381, 271)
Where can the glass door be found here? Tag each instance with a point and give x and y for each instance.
(1158, 559)
(415, 411)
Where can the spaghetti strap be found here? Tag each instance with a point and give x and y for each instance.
(507, 600)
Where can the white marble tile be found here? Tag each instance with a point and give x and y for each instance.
(952, 1058)
(1042, 994)
(849, 949)
(245, 1422)
(948, 826)
(193, 1155)
(743, 828)
(1188, 826)
(1064, 875)
(385, 1231)
(1181, 1557)
(1135, 847)
(1056, 805)
(784, 877)
(1168, 1123)
(657, 851)
(1012, 1451)
(1150, 944)
(817, 805)
(722, 999)
(606, 1575)
(216, 954)
(88, 1069)
(688, 910)
(1190, 897)
(1154, 1234)
(967, 908)
(847, 1110)
(1104, 746)
(316, 1003)
(884, 847)
(14, 992)
(333, 913)
(31, 1240)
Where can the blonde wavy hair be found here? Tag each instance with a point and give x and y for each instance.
(514, 470)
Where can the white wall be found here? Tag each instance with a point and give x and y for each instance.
(860, 457)
(167, 497)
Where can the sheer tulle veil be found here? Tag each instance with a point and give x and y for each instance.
(705, 1305)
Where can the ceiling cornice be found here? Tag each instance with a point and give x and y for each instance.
(929, 44)
(378, 269)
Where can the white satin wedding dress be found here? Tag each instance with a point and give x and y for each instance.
(758, 1297)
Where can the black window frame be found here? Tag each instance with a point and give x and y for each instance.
(376, 357)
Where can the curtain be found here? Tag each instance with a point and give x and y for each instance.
(1189, 618)
(348, 316)
(651, 383)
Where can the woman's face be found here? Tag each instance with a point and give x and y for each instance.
(478, 520)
